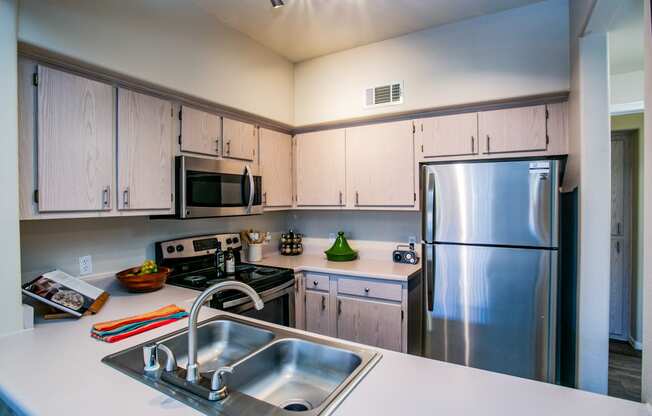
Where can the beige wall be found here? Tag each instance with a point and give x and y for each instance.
(635, 122)
(10, 308)
(514, 53)
(171, 43)
(627, 87)
(118, 243)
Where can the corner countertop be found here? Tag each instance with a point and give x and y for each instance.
(374, 268)
(55, 369)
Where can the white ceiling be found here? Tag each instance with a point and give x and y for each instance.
(626, 53)
(305, 29)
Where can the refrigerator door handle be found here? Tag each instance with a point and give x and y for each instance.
(427, 204)
(427, 251)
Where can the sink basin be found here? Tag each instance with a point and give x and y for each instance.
(294, 374)
(275, 370)
(220, 343)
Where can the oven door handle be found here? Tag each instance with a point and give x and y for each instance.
(267, 295)
(251, 188)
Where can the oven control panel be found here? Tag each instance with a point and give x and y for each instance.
(198, 245)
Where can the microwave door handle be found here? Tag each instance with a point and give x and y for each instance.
(251, 188)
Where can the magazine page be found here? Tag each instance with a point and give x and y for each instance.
(63, 292)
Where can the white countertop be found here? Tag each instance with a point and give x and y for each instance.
(375, 268)
(55, 369)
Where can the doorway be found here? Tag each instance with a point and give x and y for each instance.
(624, 357)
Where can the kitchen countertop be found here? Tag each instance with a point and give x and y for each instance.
(375, 268)
(55, 369)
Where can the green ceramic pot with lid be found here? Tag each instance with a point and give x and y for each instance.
(341, 250)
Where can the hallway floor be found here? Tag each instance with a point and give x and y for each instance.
(624, 371)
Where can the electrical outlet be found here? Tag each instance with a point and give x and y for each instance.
(85, 265)
(412, 239)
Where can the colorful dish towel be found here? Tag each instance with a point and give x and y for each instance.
(119, 329)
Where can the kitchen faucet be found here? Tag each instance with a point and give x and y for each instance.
(192, 371)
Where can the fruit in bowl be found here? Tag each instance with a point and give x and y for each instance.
(145, 278)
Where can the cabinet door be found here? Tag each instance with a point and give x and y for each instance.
(455, 135)
(513, 130)
(380, 165)
(75, 131)
(200, 132)
(276, 168)
(369, 322)
(317, 312)
(321, 164)
(144, 152)
(240, 140)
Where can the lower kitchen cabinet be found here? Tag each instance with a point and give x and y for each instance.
(370, 322)
(370, 311)
(317, 312)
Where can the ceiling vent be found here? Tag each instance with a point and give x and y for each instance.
(389, 94)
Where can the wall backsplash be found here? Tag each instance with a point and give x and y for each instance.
(394, 226)
(118, 243)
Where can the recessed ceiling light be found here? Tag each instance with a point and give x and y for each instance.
(277, 3)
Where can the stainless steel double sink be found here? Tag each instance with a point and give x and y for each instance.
(275, 371)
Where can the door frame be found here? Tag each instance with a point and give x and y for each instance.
(627, 136)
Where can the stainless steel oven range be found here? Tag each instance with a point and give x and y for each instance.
(193, 262)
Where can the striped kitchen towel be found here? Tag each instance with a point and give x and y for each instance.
(119, 329)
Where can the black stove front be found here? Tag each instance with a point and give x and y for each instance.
(192, 260)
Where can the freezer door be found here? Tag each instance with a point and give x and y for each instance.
(495, 203)
(491, 308)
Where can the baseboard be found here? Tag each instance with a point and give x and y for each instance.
(636, 344)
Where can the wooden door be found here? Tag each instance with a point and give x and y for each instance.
(317, 312)
(617, 287)
(75, 131)
(380, 165)
(321, 168)
(513, 130)
(240, 140)
(455, 135)
(200, 132)
(276, 168)
(144, 152)
(369, 322)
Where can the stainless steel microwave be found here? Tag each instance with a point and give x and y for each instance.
(216, 188)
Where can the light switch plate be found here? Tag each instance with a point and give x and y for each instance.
(85, 265)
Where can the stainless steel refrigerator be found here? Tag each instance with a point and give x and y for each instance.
(490, 265)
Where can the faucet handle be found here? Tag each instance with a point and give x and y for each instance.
(150, 357)
(218, 381)
(170, 359)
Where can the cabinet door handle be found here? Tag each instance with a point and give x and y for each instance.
(472, 144)
(217, 145)
(125, 198)
(340, 198)
(228, 147)
(315, 283)
(357, 198)
(488, 144)
(618, 228)
(618, 247)
(264, 198)
(106, 197)
(323, 303)
(366, 290)
(339, 307)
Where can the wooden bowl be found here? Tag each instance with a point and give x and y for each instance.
(145, 283)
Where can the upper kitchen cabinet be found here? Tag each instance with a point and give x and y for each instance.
(201, 132)
(321, 168)
(144, 152)
(240, 140)
(513, 130)
(276, 168)
(455, 135)
(380, 165)
(75, 135)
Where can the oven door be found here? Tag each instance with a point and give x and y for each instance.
(216, 188)
(279, 306)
